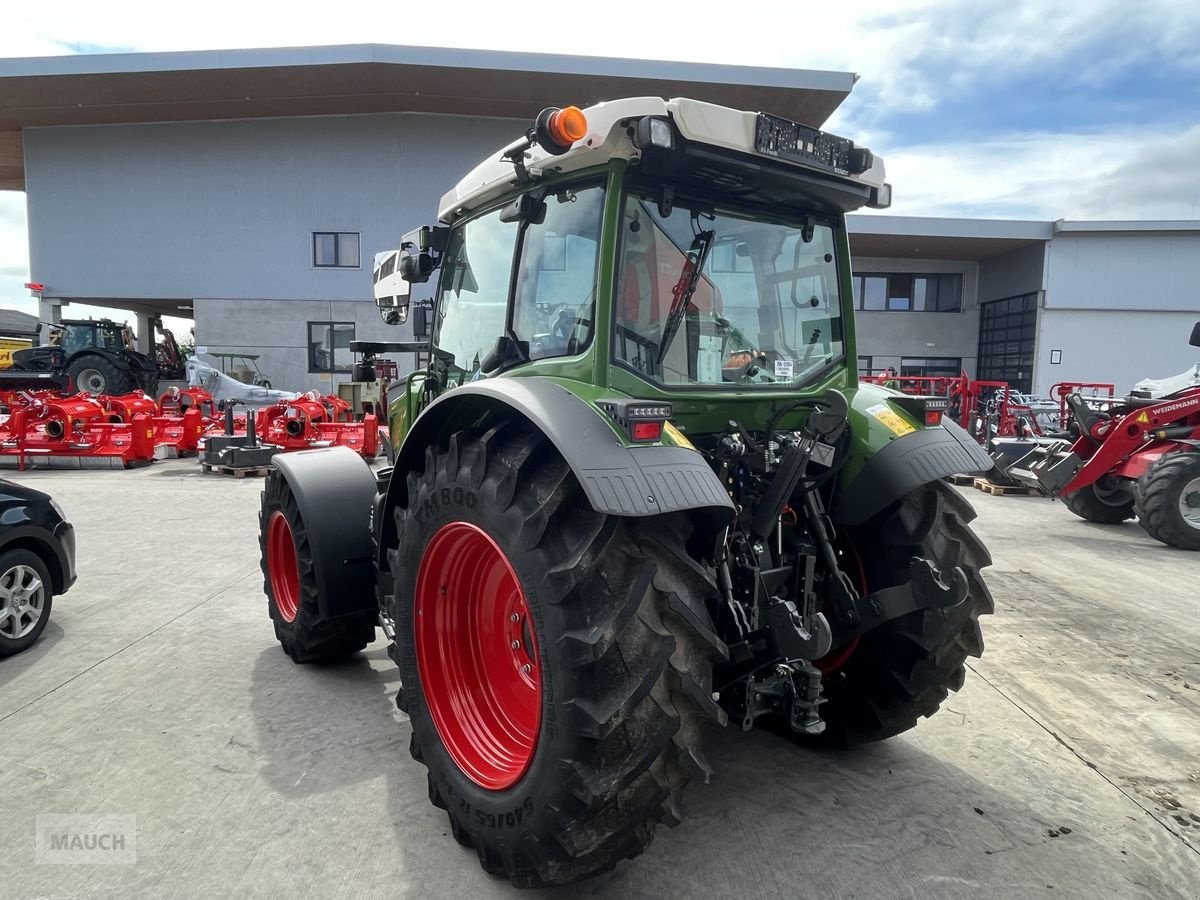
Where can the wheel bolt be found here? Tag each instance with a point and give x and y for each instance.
(515, 618)
(516, 645)
(527, 668)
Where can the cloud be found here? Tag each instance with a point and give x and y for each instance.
(1124, 173)
(1157, 181)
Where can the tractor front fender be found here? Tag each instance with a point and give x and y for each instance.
(618, 479)
(335, 489)
(903, 465)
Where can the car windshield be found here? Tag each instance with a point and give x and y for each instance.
(763, 309)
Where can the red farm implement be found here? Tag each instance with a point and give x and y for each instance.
(308, 422)
(1139, 457)
(45, 430)
(177, 418)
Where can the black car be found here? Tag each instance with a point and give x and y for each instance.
(37, 561)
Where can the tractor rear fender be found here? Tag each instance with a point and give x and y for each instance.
(903, 465)
(637, 481)
(335, 489)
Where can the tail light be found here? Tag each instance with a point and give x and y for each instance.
(642, 420)
(924, 409)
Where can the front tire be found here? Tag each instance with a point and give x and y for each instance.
(1103, 502)
(291, 588)
(26, 596)
(555, 681)
(891, 677)
(1168, 500)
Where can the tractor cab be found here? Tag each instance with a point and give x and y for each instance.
(85, 334)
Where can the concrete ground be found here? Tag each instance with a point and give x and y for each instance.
(1069, 766)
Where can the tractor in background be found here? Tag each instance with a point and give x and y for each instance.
(637, 487)
(97, 355)
(1139, 456)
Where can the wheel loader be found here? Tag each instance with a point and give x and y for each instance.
(637, 490)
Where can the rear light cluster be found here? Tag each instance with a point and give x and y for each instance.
(924, 409)
(643, 421)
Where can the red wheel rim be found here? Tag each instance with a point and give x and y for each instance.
(839, 656)
(477, 656)
(283, 567)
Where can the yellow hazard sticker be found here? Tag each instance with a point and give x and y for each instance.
(1144, 418)
(889, 417)
(678, 437)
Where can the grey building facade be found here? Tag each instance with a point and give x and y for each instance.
(221, 217)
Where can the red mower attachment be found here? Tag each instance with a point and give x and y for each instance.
(177, 431)
(176, 401)
(44, 430)
(311, 421)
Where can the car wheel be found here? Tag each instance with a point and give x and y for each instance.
(26, 594)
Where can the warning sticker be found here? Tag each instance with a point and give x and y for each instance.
(678, 437)
(783, 368)
(1144, 418)
(891, 419)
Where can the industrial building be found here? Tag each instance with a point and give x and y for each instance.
(251, 190)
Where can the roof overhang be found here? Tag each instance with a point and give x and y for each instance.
(913, 237)
(371, 78)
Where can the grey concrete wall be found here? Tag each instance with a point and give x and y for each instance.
(227, 209)
(1124, 271)
(277, 331)
(889, 336)
(1012, 274)
(1121, 347)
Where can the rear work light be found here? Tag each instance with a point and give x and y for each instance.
(642, 420)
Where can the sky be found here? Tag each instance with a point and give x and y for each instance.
(1020, 109)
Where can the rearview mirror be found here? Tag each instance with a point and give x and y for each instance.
(391, 288)
(1195, 341)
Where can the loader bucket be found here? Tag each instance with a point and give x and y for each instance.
(1046, 468)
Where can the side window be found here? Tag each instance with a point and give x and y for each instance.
(474, 290)
(556, 281)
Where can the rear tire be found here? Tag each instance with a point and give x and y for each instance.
(94, 374)
(291, 589)
(901, 671)
(1168, 500)
(1103, 502)
(621, 665)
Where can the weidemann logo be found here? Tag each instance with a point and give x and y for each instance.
(78, 839)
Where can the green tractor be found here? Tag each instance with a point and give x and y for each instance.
(637, 489)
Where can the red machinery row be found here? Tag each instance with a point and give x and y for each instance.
(988, 409)
(47, 430)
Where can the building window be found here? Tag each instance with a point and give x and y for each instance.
(931, 367)
(909, 293)
(1006, 341)
(335, 249)
(864, 365)
(329, 346)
